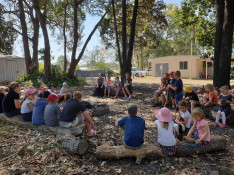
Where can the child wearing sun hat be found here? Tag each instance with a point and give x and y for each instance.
(191, 97)
(165, 141)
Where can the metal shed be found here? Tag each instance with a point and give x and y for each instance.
(11, 67)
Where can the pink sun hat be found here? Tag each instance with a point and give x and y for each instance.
(163, 114)
(30, 92)
(42, 88)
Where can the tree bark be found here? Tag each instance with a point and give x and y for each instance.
(150, 150)
(27, 55)
(42, 20)
(132, 37)
(116, 33)
(124, 42)
(35, 42)
(65, 38)
(226, 45)
(78, 146)
(74, 62)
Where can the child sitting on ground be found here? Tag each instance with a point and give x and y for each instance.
(225, 108)
(211, 98)
(191, 97)
(132, 128)
(52, 111)
(183, 121)
(117, 86)
(2, 95)
(27, 106)
(39, 109)
(127, 89)
(108, 86)
(165, 140)
(41, 90)
(200, 131)
(160, 91)
(74, 113)
(64, 92)
(171, 92)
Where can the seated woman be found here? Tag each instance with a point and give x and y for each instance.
(11, 103)
(100, 86)
(2, 95)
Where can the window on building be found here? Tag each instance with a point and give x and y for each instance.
(183, 65)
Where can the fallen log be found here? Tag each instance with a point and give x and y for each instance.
(210, 113)
(150, 150)
(69, 137)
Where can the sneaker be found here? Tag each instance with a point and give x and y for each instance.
(172, 108)
(125, 97)
(129, 98)
(155, 105)
(222, 126)
(216, 124)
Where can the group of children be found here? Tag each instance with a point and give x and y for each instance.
(46, 109)
(102, 90)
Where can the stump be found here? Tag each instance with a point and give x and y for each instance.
(79, 146)
(210, 113)
(100, 109)
(69, 137)
(149, 150)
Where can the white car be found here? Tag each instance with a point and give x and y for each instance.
(138, 72)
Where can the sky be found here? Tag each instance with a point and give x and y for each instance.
(57, 50)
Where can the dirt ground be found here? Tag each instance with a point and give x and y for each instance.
(43, 155)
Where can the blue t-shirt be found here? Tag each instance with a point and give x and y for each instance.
(134, 134)
(52, 111)
(179, 85)
(172, 82)
(38, 112)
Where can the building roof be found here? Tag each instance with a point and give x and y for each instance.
(10, 57)
(198, 57)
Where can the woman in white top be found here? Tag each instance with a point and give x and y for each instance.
(165, 141)
(27, 106)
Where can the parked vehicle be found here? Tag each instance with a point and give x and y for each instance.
(137, 72)
(149, 71)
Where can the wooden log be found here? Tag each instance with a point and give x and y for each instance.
(210, 113)
(149, 150)
(79, 146)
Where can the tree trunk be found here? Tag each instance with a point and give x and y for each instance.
(78, 146)
(42, 20)
(74, 62)
(116, 33)
(65, 38)
(132, 37)
(27, 55)
(124, 42)
(226, 46)
(35, 43)
(150, 150)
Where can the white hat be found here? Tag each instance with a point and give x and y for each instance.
(64, 83)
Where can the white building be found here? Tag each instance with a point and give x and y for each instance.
(11, 67)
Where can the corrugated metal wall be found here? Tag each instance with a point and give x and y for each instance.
(10, 69)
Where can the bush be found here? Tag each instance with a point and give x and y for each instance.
(37, 79)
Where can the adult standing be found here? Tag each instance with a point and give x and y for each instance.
(11, 102)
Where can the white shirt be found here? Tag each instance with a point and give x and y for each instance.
(25, 108)
(50, 91)
(186, 115)
(165, 137)
(63, 90)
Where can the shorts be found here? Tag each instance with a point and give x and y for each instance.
(122, 132)
(167, 150)
(178, 97)
(203, 144)
(108, 87)
(172, 94)
(27, 117)
(75, 122)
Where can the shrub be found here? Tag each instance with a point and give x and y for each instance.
(37, 79)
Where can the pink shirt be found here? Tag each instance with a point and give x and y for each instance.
(199, 126)
(108, 83)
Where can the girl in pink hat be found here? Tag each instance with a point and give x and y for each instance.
(27, 106)
(165, 141)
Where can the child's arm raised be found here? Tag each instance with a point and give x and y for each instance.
(205, 128)
(30, 105)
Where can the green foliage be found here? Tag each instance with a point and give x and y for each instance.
(37, 79)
